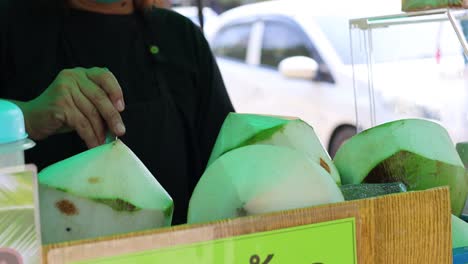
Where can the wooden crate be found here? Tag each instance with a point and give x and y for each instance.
(412, 227)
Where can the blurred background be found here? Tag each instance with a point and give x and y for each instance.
(218, 6)
(339, 65)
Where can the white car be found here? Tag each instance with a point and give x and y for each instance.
(293, 58)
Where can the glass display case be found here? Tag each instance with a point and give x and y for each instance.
(412, 65)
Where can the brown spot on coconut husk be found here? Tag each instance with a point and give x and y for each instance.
(118, 205)
(66, 207)
(325, 165)
(94, 180)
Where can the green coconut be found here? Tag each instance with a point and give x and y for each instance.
(103, 191)
(17, 220)
(418, 5)
(462, 149)
(260, 179)
(241, 130)
(417, 152)
(459, 233)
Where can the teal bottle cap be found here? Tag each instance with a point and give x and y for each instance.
(12, 127)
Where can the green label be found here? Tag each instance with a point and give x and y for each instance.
(323, 243)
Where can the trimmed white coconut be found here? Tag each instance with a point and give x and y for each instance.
(241, 130)
(103, 191)
(259, 179)
(417, 152)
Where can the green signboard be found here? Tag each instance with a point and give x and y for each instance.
(324, 243)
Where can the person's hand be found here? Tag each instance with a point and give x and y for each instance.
(86, 100)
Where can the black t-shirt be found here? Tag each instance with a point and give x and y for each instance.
(175, 100)
(112, 41)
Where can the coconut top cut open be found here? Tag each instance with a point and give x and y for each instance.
(360, 154)
(241, 130)
(111, 171)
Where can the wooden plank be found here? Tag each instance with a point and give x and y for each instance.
(404, 228)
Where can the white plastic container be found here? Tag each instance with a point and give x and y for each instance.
(13, 137)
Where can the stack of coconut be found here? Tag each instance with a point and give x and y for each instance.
(259, 164)
(263, 164)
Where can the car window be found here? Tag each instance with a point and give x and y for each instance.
(232, 41)
(281, 41)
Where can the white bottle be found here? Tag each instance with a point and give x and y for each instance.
(13, 137)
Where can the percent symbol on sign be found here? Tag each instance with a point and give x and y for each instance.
(255, 259)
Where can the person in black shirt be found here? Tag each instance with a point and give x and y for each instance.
(91, 66)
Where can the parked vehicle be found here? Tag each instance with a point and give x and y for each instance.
(293, 58)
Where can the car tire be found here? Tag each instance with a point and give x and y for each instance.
(339, 137)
